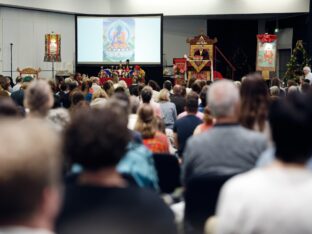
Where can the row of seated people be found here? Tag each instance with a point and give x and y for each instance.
(103, 155)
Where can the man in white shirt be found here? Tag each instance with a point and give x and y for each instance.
(274, 199)
(95, 84)
(30, 175)
(307, 74)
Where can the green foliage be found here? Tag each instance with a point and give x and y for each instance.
(298, 60)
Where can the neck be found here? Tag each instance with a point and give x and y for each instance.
(227, 120)
(37, 221)
(107, 177)
(280, 164)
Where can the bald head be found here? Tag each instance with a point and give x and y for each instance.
(223, 99)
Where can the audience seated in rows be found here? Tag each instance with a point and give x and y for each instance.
(227, 148)
(101, 201)
(274, 199)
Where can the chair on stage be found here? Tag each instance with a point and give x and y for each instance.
(29, 71)
(201, 57)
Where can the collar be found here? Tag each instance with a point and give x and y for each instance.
(23, 230)
(226, 124)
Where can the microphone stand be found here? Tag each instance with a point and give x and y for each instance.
(11, 51)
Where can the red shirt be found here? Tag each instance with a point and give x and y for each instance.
(157, 144)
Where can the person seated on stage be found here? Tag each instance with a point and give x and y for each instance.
(146, 124)
(204, 53)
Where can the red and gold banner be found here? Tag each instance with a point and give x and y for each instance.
(266, 52)
(52, 48)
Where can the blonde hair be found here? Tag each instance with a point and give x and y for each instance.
(100, 93)
(164, 95)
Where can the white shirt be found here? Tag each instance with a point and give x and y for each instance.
(266, 201)
(23, 230)
(309, 77)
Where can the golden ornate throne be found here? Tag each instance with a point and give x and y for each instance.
(201, 57)
(29, 71)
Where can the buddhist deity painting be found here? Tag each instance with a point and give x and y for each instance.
(119, 39)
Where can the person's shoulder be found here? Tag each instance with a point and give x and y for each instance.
(251, 134)
(243, 181)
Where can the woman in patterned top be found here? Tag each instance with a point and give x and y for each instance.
(146, 124)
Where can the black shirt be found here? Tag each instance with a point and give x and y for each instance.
(98, 210)
(179, 101)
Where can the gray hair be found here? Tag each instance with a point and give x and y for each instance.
(306, 68)
(222, 98)
(274, 91)
(39, 97)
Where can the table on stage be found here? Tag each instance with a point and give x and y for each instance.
(127, 80)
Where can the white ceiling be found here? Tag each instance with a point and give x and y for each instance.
(167, 7)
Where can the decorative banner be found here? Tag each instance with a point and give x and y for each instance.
(266, 52)
(52, 48)
(198, 65)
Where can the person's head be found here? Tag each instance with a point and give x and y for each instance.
(190, 82)
(153, 85)
(58, 118)
(18, 79)
(177, 90)
(108, 86)
(223, 100)
(8, 108)
(122, 100)
(191, 103)
(78, 77)
(100, 93)
(208, 119)
(96, 139)
(196, 88)
(63, 87)
(146, 94)
(292, 89)
(305, 88)
(120, 89)
(290, 121)
(254, 102)
(146, 122)
(4, 82)
(30, 174)
(164, 95)
(76, 97)
(95, 80)
(291, 83)
(38, 98)
(203, 95)
(167, 85)
(306, 70)
(72, 86)
(275, 82)
(274, 91)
